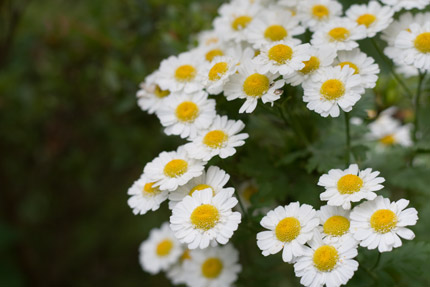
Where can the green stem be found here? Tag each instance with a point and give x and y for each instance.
(289, 122)
(348, 140)
(242, 207)
(417, 104)
(377, 261)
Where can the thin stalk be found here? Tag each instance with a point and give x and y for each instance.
(242, 207)
(348, 140)
(417, 104)
(377, 261)
(289, 122)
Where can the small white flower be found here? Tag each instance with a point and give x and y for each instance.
(406, 4)
(246, 190)
(172, 169)
(362, 64)
(215, 179)
(144, 196)
(290, 227)
(330, 88)
(202, 218)
(252, 85)
(350, 185)
(176, 273)
(221, 138)
(160, 250)
(315, 13)
(218, 72)
(379, 223)
(185, 114)
(150, 97)
(216, 266)
(373, 16)
(327, 264)
(208, 38)
(335, 223)
(339, 34)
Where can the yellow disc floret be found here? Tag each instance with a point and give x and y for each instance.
(336, 225)
(187, 111)
(320, 12)
(325, 258)
(159, 93)
(213, 53)
(311, 65)
(185, 256)
(175, 168)
(212, 268)
(388, 140)
(275, 33)
(256, 85)
(383, 220)
(205, 217)
(366, 20)
(351, 65)
(241, 22)
(201, 187)
(332, 89)
(287, 229)
(280, 53)
(339, 34)
(164, 247)
(217, 71)
(149, 189)
(185, 73)
(249, 192)
(350, 183)
(215, 139)
(422, 42)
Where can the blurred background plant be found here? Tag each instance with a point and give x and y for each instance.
(72, 140)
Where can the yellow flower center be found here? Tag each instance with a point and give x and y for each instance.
(175, 168)
(311, 65)
(187, 111)
(217, 71)
(249, 192)
(287, 229)
(387, 140)
(256, 85)
(201, 187)
(205, 217)
(148, 188)
(212, 268)
(325, 258)
(336, 225)
(383, 220)
(320, 12)
(164, 247)
(241, 22)
(339, 34)
(280, 53)
(366, 20)
(275, 33)
(161, 93)
(351, 65)
(185, 256)
(422, 42)
(348, 184)
(185, 73)
(332, 89)
(215, 139)
(213, 53)
(212, 40)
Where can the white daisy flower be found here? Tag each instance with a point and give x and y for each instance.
(172, 169)
(362, 64)
(290, 227)
(379, 223)
(350, 185)
(202, 218)
(144, 196)
(185, 114)
(221, 138)
(216, 266)
(327, 264)
(414, 45)
(176, 273)
(150, 97)
(160, 250)
(315, 13)
(252, 85)
(283, 57)
(330, 88)
(402, 24)
(181, 73)
(246, 190)
(208, 38)
(218, 72)
(215, 179)
(319, 58)
(339, 34)
(406, 4)
(273, 25)
(373, 16)
(335, 223)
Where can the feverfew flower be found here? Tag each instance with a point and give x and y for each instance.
(406, 4)
(218, 72)
(315, 13)
(350, 185)
(185, 114)
(335, 223)
(150, 97)
(203, 218)
(379, 223)
(221, 138)
(160, 250)
(252, 85)
(290, 227)
(331, 88)
(172, 169)
(176, 273)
